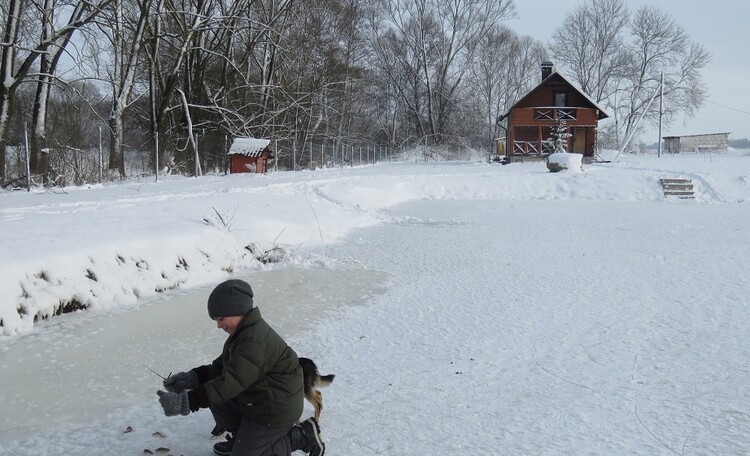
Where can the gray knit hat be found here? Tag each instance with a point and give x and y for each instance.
(231, 298)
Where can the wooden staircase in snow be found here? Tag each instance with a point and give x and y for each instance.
(681, 188)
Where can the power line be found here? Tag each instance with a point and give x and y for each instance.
(729, 107)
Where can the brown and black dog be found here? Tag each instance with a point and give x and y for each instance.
(312, 381)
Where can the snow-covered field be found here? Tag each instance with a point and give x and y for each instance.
(465, 308)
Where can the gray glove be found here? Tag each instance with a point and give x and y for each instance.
(181, 381)
(174, 403)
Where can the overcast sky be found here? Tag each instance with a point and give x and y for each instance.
(722, 26)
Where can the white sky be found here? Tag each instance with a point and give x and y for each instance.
(720, 25)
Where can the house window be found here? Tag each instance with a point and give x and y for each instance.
(561, 99)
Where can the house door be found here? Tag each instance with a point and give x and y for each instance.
(579, 140)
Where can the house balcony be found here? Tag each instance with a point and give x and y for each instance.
(555, 113)
(549, 115)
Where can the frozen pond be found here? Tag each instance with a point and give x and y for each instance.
(72, 370)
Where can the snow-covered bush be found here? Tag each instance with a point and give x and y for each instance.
(560, 159)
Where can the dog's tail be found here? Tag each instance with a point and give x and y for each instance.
(324, 380)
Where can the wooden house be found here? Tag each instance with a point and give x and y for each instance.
(530, 120)
(249, 155)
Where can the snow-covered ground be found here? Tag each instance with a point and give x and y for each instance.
(465, 308)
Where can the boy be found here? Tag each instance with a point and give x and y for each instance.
(254, 389)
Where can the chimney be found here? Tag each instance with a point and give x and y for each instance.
(546, 69)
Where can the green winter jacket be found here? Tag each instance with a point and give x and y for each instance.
(258, 370)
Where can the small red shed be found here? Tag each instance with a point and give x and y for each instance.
(249, 155)
(530, 120)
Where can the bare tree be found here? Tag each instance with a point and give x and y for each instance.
(170, 36)
(661, 48)
(126, 33)
(619, 61)
(590, 45)
(229, 71)
(341, 71)
(506, 69)
(14, 71)
(433, 43)
(72, 128)
(47, 69)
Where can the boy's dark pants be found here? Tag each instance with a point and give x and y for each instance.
(250, 438)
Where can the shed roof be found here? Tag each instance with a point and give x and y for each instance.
(250, 147)
(727, 133)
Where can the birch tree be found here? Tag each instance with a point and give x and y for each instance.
(125, 33)
(17, 63)
(47, 70)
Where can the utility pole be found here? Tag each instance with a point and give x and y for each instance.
(156, 153)
(28, 157)
(197, 156)
(661, 110)
(101, 155)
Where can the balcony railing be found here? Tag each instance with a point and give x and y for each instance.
(532, 148)
(526, 148)
(555, 114)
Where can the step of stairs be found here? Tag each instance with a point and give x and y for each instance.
(681, 188)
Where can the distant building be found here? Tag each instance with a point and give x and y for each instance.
(695, 143)
(249, 155)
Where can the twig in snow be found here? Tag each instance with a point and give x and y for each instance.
(533, 354)
(635, 409)
(222, 220)
(320, 231)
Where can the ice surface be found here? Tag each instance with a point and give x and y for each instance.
(78, 367)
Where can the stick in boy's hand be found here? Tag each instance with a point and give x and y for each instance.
(157, 374)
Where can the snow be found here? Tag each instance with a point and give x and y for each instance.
(251, 147)
(560, 161)
(464, 307)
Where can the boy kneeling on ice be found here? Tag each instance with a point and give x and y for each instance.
(254, 389)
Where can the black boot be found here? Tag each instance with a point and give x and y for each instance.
(297, 438)
(225, 448)
(315, 445)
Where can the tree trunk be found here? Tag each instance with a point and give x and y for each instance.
(40, 162)
(7, 66)
(5, 108)
(116, 143)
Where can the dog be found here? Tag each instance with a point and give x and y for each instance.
(312, 381)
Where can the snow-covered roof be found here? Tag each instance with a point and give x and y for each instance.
(726, 133)
(250, 147)
(602, 113)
